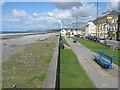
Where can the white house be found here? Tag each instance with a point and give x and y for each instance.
(75, 32)
(63, 32)
(90, 29)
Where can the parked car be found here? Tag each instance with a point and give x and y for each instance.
(94, 38)
(89, 37)
(102, 40)
(56, 34)
(79, 35)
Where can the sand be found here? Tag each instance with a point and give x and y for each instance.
(9, 46)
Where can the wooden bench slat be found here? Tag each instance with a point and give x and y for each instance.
(102, 60)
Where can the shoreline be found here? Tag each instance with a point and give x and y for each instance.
(19, 36)
(11, 45)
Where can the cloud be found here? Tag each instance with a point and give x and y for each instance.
(11, 20)
(19, 13)
(2, 3)
(84, 11)
(51, 20)
(67, 5)
(112, 6)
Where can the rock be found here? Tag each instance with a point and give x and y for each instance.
(14, 86)
(29, 65)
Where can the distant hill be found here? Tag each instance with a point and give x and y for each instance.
(13, 31)
(53, 30)
(33, 31)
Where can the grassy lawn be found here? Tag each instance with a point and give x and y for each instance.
(72, 74)
(28, 69)
(64, 41)
(95, 47)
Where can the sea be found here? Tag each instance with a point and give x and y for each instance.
(5, 35)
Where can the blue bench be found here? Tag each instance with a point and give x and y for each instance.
(100, 60)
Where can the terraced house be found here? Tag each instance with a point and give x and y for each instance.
(90, 28)
(107, 25)
(113, 28)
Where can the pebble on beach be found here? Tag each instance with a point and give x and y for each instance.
(14, 86)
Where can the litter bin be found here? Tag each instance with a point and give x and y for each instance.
(74, 41)
(61, 45)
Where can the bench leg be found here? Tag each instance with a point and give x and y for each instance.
(110, 67)
(95, 59)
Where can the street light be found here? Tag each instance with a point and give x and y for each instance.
(61, 23)
(73, 25)
(118, 31)
(97, 18)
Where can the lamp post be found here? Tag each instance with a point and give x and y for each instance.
(97, 18)
(61, 24)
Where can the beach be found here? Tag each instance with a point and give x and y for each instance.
(8, 45)
(25, 60)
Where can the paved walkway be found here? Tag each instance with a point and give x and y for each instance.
(100, 77)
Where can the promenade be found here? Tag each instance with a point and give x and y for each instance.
(100, 77)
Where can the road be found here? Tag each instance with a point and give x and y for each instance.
(112, 43)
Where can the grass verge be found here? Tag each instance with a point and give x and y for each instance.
(64, 41)
(72, 74)
(95, 47)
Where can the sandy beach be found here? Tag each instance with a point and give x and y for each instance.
(25, 60)
(8, 45)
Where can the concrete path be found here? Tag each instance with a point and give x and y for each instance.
(100, 77)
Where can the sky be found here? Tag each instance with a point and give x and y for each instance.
(24, 16)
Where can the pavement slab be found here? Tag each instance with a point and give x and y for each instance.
(101, 78)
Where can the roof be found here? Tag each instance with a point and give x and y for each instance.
(111, 13)
(87, 25)
(95, 21)
(90, 21)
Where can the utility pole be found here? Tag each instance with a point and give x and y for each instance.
(76, 22)
(97, 18)
(62, 21)
(118, 31)
(61, 24)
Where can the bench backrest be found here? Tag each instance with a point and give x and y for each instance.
(110, 57)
